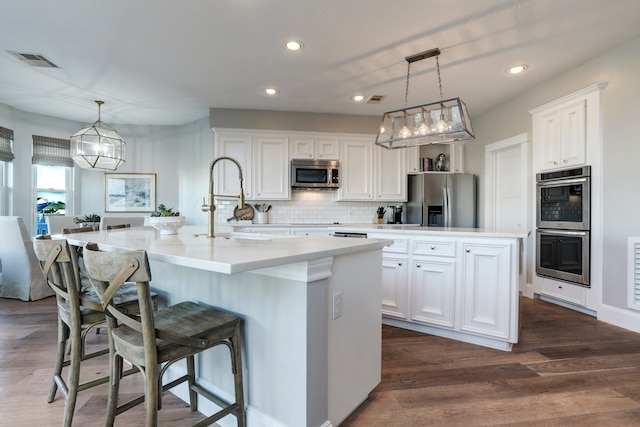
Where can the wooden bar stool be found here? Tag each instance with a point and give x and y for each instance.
(78, 312)
(164, 337)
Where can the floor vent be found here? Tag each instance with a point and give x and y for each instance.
(633, 281)
(34, 59)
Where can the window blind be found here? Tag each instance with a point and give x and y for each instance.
(51, 151)
(6, 145)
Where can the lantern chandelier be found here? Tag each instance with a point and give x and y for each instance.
(443, 121)
(97, 146)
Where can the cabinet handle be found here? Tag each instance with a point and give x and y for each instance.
(565, 160)
(433, 248)
(467, 250)
(555, 163)
(418, 265)
(400, 264)
(559, 287)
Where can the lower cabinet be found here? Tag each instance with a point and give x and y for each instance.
(394, 286)
(463, 288)
(486, 289)
(433, 291)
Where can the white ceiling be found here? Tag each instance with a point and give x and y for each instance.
(169, 61)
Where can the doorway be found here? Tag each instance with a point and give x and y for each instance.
(507, 193)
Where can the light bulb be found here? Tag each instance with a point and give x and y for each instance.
(442, 125)
(382, 129)
(423, 129)
(404, 132)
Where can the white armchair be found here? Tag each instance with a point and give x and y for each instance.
(133, 221)
(21, 275)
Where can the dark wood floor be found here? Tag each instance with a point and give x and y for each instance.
(568, 370)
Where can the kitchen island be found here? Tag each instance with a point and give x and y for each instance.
(458, 283)
(310, 306)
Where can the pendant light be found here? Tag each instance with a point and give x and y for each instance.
(98, 146)
(437, 122)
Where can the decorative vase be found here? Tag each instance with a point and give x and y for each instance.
(167, 224)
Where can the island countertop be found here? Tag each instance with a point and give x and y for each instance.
(229, 252)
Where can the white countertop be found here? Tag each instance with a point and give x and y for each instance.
(228, 252)
(441, 231)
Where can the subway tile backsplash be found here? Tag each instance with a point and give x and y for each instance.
(309, 207)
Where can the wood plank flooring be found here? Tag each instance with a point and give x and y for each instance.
(568, 370)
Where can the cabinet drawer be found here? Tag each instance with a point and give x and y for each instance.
(573, 294)
(434, 247)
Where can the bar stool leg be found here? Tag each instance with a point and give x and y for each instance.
(236, 356)
(191, 372)
(74, 375)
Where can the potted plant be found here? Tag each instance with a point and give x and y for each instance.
(92, 220)
(166, 220)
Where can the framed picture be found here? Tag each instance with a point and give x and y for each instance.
(129, 192)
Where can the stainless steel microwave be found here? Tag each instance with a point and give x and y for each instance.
(315, 174)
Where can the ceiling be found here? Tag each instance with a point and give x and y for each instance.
(167, 61)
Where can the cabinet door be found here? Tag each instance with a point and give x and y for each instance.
(573, 134)
(226, 179)
(271, 168)
(356, 177)
(487, 307)
(433, 291)
(302, 147)
(549, 131)
(394, 286)
(390, 175)
(326, 148)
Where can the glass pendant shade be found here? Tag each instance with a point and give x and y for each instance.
(437, 122)
(98, 146)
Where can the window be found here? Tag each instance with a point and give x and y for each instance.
(6, 169)
(53, 177)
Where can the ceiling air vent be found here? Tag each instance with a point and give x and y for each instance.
(34, 59)
(375, 99)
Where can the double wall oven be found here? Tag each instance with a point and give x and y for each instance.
(563, 225)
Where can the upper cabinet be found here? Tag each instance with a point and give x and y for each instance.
(566, 131)
(561, 133)
(369, 172)
(265, 165)
(312, 147)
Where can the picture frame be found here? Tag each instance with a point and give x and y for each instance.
(129, 192)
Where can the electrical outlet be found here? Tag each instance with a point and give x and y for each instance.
(336, 306)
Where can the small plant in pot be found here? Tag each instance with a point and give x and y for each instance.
(166, 220)
(91, 220)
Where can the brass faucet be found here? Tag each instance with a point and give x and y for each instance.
(211, 207)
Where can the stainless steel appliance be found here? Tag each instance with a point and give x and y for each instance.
(563, 222)
(395, 214)
(563, 199)
(315, 174)
(442, 200)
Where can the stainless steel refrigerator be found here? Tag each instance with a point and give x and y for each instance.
(442, 200)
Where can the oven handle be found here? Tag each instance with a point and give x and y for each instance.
(563, 232)
(561, 182)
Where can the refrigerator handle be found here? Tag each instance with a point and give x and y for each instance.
(449, 207)
(445, 206)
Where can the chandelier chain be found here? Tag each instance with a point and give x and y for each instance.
(439, 79)
(406, 91)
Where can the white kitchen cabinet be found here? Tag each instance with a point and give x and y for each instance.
(264, 159)
(356, 170)
(237, 145)
(312, 231)
(561, 134)
(390, 175)
(369, 172)
(570, 293)
(433, 285)
(394, 286)
(270, 171)
(314, 147)
(486, 288)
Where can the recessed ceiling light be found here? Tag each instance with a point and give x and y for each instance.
(293, 45)
(357, 98)
(517, 69)
(271, 91)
